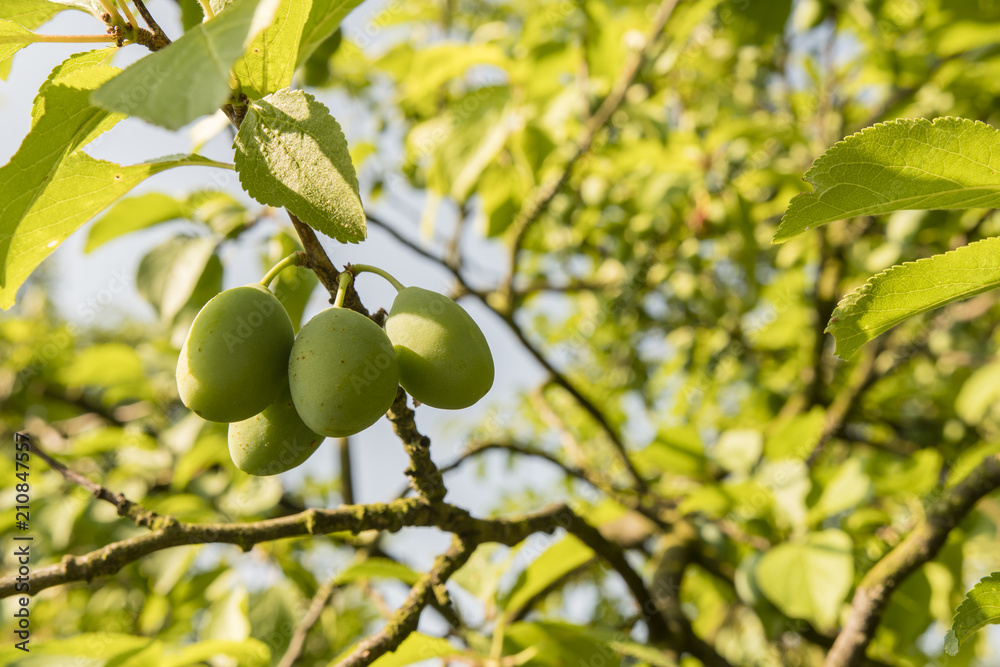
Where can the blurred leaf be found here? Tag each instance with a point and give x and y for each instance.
(291, 152)
(273, 616)
(249, 652)
(169, 273)
(796, 437)
(557, 561)
(979, 393)
(677, 451)
(104, 365)
(738, 450)
(377, 567)
(810, 578)
(848, 489)
(415, 648)
(324, 19)
(131, 215)
(562, 643)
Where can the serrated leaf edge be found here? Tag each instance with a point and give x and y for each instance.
(952, 647)
(810, 174)
(853, 299)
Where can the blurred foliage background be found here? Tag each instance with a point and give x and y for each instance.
(649, 286)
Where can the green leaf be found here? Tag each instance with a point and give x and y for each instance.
(268, 63)
(950, 163)
(78, 190)
(249, 652)
(556, 643)
(33, 13)
(94, 645)
(51, 188)
(556, 562)
(979, 393)
(169, 273)
(848, 489)
(738, 450)
(913, 288)
(189, 78)
(809, 579)
(324, 19)
(290, 152)
(981, 607)
(133, 214)
(647, 654)
(103, 365)
(377, 567)
(795, 437)
(13, 38)
(29, 13)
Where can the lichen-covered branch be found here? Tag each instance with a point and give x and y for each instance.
(404, 621)
(424, 476)
(920, 546)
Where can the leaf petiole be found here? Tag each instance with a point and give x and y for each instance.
(72, 39)
(128, 15)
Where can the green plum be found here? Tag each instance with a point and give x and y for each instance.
(235, 358)
(274, 441)
(444, 359)
(342, 372)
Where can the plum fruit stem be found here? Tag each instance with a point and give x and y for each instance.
(366, 268)
(295, 259)
(343, 280)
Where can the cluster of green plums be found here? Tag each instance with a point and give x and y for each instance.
(282, 394)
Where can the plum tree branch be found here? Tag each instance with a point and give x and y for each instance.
(404, 621)
(424, 476)
(872, 595)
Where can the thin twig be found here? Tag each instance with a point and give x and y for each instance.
(161, 36)
(126, 508)
(404, 621)
(298, 642)
(538, 201)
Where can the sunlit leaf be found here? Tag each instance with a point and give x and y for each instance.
(291, 152)
(554, 563)
(902, 164)
(131, 215)
(809, 579)
(913, 288)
